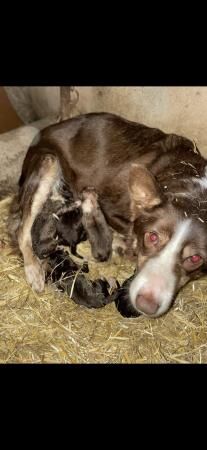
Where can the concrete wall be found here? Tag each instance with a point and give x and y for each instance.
(34, 102)
(13, 147)
(181, 110)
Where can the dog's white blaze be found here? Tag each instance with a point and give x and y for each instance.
(158, 275)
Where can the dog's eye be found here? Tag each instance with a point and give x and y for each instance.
(193, 262)
(151, 238)
(195, 259)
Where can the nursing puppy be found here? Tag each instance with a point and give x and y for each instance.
(69, 224)
(61, 224)
(69, 277)
(58, 225)
(152, 189)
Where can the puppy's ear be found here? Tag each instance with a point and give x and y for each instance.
(144, 190)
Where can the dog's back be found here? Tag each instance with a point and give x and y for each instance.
(97, 149)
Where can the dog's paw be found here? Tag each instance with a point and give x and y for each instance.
(35, 276)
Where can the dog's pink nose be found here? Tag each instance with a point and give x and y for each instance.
(146, 303)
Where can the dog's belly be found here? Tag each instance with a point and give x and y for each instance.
(113, 194)
(115, 205)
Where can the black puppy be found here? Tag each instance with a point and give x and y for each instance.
(58, 224)
(121, 298)
(69, 277)
(70, 223)
(69, 228)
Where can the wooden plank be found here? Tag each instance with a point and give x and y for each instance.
(8, 116)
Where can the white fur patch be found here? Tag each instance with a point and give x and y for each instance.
(55, 194)
(36, 139)
(33, 268)
(87, 206)
(158, 273)
(202, 181)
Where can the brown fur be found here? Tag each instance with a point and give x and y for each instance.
(98, 231)
(134, 169)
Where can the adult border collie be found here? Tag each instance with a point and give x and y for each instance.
(151, 187)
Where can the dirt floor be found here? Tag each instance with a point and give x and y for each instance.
(51, 328)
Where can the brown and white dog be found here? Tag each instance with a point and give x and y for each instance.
(151, 187)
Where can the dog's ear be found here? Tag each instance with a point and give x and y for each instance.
(144, 190)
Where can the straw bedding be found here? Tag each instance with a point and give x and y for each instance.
(51, 328)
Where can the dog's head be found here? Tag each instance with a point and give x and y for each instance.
(171, 232)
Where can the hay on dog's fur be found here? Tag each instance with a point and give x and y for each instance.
(51, 328)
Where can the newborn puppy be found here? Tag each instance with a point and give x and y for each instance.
(59, 264)
(57, 224)
(121, 298)
(72, 223)
(69, 277)
(44, 230)
(70, 230)
(99, 234)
